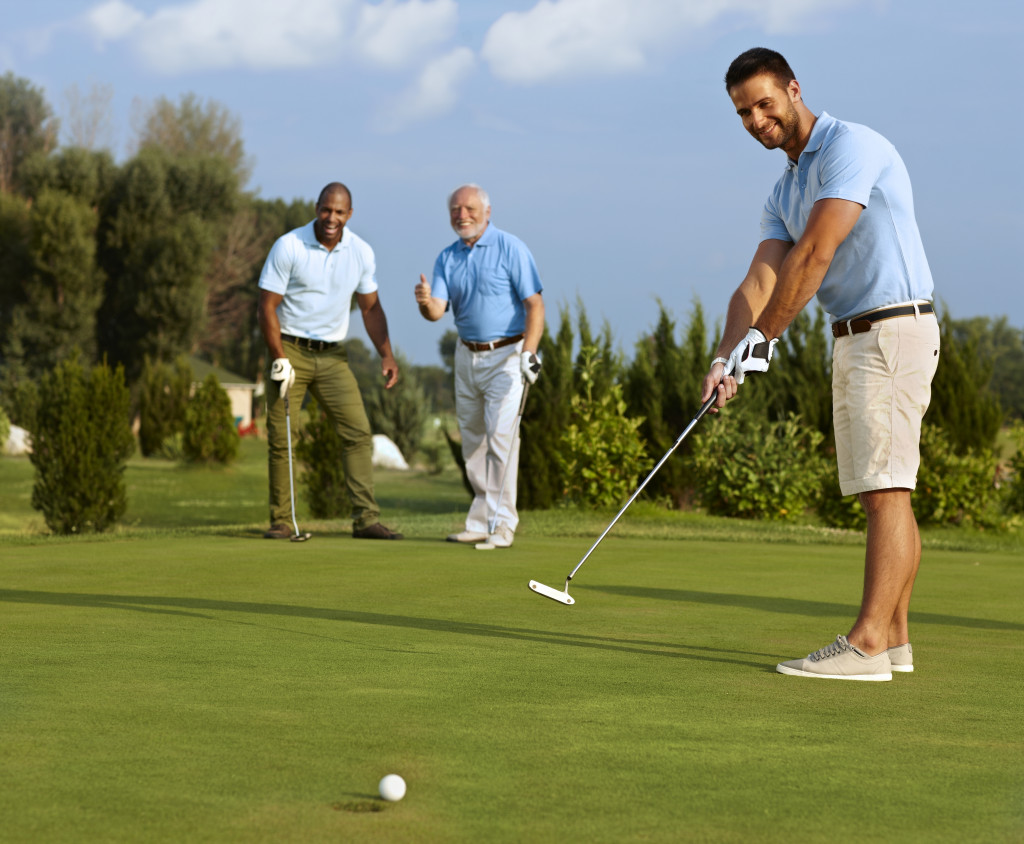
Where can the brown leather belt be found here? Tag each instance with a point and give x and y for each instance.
(493, 344)
(308, 343)
(863, 322)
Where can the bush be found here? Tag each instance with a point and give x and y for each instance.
(954, 488)
(750, 467)
(163, 398)
(5, 428)
(81, 441)
(209, 435)
(601, 454)
(1015, 487)
(401, 412)
(320, 449)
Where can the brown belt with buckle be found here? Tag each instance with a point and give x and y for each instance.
(308, 343)
(863, 322)
(491, 345)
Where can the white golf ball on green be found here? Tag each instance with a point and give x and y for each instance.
(392, 788)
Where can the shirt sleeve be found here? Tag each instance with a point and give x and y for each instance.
(439, 285)
(850, 167)
(525, 277)
(277, 269)
(772, 225)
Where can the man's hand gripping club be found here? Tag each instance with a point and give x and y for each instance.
(752, 354)
(281, 370)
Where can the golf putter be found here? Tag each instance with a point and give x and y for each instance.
(486, 546)
(299, 536)
(563, 596)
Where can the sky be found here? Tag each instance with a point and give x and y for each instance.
(600, 128)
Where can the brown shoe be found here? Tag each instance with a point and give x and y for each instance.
(377, 531)
(278, 531)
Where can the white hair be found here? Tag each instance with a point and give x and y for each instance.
(484, 198)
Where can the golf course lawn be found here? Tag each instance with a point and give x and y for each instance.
(208, 685)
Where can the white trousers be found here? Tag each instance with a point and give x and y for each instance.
(488, 390)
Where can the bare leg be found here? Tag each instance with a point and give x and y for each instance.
(891, 561)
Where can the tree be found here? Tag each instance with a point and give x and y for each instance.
(195, 128)
(663, 385)
(962, 405)
(27, 125)
(86, 175)
(89, 123)
(54, 311)
(164, 217)
(209, 434)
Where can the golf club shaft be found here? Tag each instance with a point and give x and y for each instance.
(704, 409)
(508, 457)
(291, 473)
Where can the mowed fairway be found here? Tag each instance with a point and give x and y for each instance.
(221, 687)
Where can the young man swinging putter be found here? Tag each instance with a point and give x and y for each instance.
(840, 224)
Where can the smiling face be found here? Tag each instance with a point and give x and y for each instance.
(469, 215)
(770, 112)
(333, 210)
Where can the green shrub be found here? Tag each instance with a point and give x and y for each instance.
(5, 428)
(753, 468)
(81, 441)
(955, 488)
(163, 399)
(209, 435)
(321, 450)
(401, 412)
(601, 454)
(834, 508)
(1015, 485)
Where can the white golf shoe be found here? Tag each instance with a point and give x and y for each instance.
(467, 537)
(502, 537)
(902, 658)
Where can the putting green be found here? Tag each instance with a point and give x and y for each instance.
(227, 688)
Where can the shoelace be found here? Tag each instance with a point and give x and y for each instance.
(833, 649)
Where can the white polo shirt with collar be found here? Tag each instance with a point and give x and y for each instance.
(318, 284)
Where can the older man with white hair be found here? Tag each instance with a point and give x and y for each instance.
(490, 281)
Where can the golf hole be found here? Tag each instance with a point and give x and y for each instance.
(360, 806)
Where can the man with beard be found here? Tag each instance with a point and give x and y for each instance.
(489, 279)
(840, 225)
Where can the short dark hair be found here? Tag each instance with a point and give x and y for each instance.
(756, 61)
(334, 187)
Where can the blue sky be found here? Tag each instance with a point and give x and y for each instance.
(600, 128)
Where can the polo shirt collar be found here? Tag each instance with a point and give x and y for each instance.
(818, 132)
(308, 235)
(486, 239)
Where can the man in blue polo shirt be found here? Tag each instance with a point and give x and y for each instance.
(306, 290)
(840, 224)
(489, 280)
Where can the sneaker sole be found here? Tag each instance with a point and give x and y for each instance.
(796, 672)
(903, 669)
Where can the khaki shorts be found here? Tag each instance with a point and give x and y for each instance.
(881, 386)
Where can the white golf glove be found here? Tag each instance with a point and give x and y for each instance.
(530, 365)
(281, 370)
(753, 354)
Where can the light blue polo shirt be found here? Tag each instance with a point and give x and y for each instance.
(485, 284)
(318, 284)
(882, 261)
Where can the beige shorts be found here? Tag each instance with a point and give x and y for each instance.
(881, 386)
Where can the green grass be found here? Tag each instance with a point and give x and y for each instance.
(184, 680)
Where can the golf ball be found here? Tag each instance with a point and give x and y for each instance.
(392, 788)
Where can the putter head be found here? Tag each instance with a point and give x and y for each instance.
(553, 594)
(301, 537)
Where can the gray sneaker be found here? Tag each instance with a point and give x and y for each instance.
(840, 661)
(902, 658)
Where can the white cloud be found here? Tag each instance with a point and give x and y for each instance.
(434, 93)
(113, 20)
(262, 34)
(392, 34)
(574, 38)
